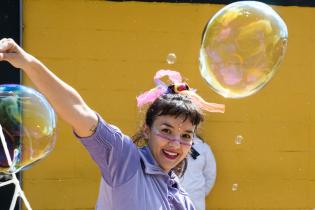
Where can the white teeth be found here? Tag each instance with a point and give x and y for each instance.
(170, 153)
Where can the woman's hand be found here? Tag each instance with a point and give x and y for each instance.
(66, 101)
(14, 54)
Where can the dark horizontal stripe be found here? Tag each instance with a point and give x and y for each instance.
(301, 3)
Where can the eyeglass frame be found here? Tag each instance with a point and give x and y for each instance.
(171, 138)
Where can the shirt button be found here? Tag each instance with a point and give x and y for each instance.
(170, 197)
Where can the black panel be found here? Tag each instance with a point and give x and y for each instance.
(305, 3)
(10, 27)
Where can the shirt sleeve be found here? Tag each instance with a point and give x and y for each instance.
(209, 170)
(114, 153)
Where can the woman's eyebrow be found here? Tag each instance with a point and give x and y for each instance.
(189, 131)
(167, 124)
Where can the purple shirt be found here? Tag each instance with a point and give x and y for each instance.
(131, 178)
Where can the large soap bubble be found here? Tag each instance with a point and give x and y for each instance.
(242, 47)
(29, 126)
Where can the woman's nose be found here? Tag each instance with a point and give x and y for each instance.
(175, 143)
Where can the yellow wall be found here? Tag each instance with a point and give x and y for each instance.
(110, 51)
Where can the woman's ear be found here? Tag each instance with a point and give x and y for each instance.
(146, 131)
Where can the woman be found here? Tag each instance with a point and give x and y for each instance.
(132, 178)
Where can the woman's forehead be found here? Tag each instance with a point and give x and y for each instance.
(174, 121)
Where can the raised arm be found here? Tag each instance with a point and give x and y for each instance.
(66, 101)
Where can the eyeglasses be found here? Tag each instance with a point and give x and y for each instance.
(184, 139)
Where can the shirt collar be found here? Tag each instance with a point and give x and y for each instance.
(150, 166)
(149, 163)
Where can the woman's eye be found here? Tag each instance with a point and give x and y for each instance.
(166, 131)
(186, 136)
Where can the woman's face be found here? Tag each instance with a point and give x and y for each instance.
(169, 140)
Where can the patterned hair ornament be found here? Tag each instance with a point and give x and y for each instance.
(177, 87)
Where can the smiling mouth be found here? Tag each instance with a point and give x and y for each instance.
(170, 155)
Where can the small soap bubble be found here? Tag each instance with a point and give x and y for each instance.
(239, 139)
(171, 58)
(234, 187)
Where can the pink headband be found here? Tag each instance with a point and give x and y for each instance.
(181, 88)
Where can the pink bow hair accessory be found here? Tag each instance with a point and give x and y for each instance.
(161, 88)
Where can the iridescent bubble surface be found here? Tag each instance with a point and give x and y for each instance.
(242, 47)
(29, 126)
